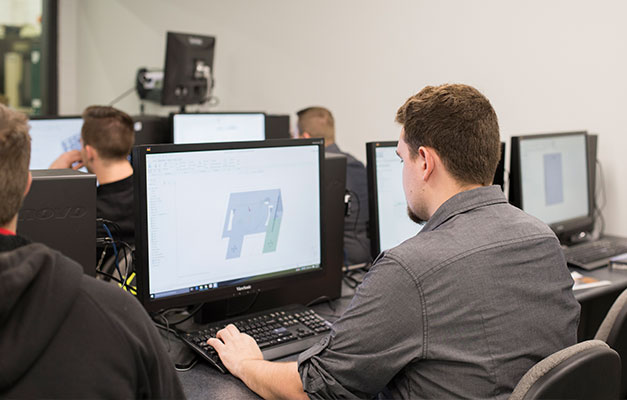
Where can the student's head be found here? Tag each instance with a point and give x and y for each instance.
(14, 161)
(316, 122)
(107, 134)
(453, 126)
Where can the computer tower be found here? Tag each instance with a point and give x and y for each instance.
(60, 212)
(152, 129)
(278, 127)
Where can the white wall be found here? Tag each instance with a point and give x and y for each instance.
(546, 65)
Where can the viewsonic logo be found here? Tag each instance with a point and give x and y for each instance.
(245, 287)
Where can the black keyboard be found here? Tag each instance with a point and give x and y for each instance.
(594, 254)
(278, 333)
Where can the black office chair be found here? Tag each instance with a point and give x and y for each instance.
(586, 370)
(613, 331)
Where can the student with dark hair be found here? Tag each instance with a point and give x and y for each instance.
(107, 137)
(461, 310)
(318, 122)
(64, 334)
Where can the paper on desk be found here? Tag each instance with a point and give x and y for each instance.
(619, 262)
(586, 282)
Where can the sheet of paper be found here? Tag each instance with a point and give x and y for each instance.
(586, 282)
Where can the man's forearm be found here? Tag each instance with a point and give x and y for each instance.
(272, 380)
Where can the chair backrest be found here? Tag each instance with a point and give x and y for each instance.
(586, 370)
(613, 331)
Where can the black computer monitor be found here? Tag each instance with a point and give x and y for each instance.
(218, 127)
(499, 174)
(151, 129)
(188, 73)
(278, 126)
(51, 137)
(389, 223)
(219, 220)
(549, 179)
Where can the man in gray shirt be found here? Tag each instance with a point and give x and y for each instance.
(464, 308)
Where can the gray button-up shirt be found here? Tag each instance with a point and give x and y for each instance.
(463, 309)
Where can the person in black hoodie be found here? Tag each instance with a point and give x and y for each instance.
(62, 333)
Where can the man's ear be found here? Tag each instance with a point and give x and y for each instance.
(28, 183)
(91, 152)
(428, 157)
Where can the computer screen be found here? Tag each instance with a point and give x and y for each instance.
(218, 127)
(224, 219)
(51, 137)
(389, 223)
(549, 179)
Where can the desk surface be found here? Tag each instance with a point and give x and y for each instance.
(202, 381)
(617, 277)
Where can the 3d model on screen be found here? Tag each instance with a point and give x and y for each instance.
(72, 142)
(249, 213)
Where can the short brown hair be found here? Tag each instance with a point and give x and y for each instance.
(14, 161)
(459, 123)
(109, 131)
(318, 122)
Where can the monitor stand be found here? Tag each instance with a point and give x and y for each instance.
(577, 238)
(229, 308)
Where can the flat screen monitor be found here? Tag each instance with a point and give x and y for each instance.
(549, 179)
(499, 174)
(51, 137)
(218, 127)
(278, 126)
(188, 72)
(389, 223)
(226, 219)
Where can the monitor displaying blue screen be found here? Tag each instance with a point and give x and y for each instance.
(52, 137)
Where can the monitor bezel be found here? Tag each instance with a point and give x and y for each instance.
(563, 229)
(45, 117)
(227, 292)
(499, 173)
(172, 115)
(373, 195)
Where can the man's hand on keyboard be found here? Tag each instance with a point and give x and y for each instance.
(234, 347)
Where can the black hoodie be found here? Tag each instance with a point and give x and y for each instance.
(64, 334)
